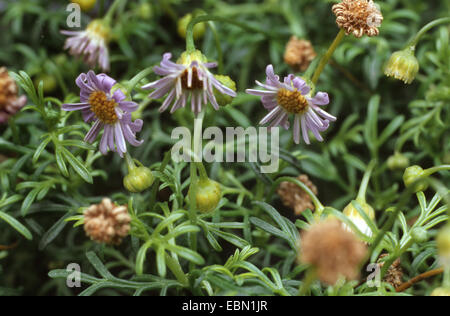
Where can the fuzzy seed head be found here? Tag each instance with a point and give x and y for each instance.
(106, 222)
(358, 17)
(299, 54)
(294, 197)
(332, 250)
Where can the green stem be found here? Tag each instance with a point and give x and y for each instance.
(306, 284)
(141, 75)
(190, 45)
(130, 162)
(112, 9)
(430, 171)
(176, 269)
(324, 61)
(425, 29)
(365, 182)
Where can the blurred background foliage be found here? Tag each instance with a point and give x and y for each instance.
(376, 117)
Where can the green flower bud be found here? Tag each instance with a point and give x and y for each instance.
(413, 174)
(352, 213)
(224, 99)
(145, 11)
(403, 65)
(419, 234)
(48, 81)
(199, 28)
(138, 179)
(208, 195)
(397, 161)
(441, 291)
(443, 243)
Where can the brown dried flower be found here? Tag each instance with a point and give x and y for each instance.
(10, 103)
(106, 222)
(299, 54)
(358, 17)
(394, 274)
(332, 250)
(294, 197)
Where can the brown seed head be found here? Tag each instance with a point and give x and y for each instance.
(332, 250)
(358, 17)
(299, 54)
(10, 103)
(294, 197)
(394, 273)
(106, 222)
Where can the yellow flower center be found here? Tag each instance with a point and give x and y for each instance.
(103, 107)
(196, 83)
(98, 29)
(292, 101)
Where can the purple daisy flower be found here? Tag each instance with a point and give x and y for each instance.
(189, 77)
(108, 110)
(293, 97)
(90, 43)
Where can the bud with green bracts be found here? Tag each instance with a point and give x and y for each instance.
(415, 175)
(138, 179)
(208, 195)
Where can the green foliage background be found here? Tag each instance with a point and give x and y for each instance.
(243, 248)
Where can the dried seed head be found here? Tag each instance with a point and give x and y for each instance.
(299, 54)
(358, 17)
(294, 197)
(10, 103)
(332, 250)
(106, 222)
(394, 273)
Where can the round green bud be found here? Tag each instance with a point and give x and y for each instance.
(199, 28)
(443, 242)
(138, 179)
(403, 65)
(145, 11)
(413, 174)
(208, 195)
(419, 234)
(48, 81)
(441, 291)
(224, 99)
(397, 161)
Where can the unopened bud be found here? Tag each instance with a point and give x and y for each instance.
(419, 234)
(199, 28)
(403, 65)
(415, 174)
(352, 213)
(397, 161)
(221, 98)
(138, 179)
(208, 195)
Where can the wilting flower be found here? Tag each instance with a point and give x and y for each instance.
(292, 96)
(332, 250)
(90, 43)
(358, 17)
(107, 109)
(10, 103)
(189, 77)
(403, 65)
(107, 222)
(299, 53)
